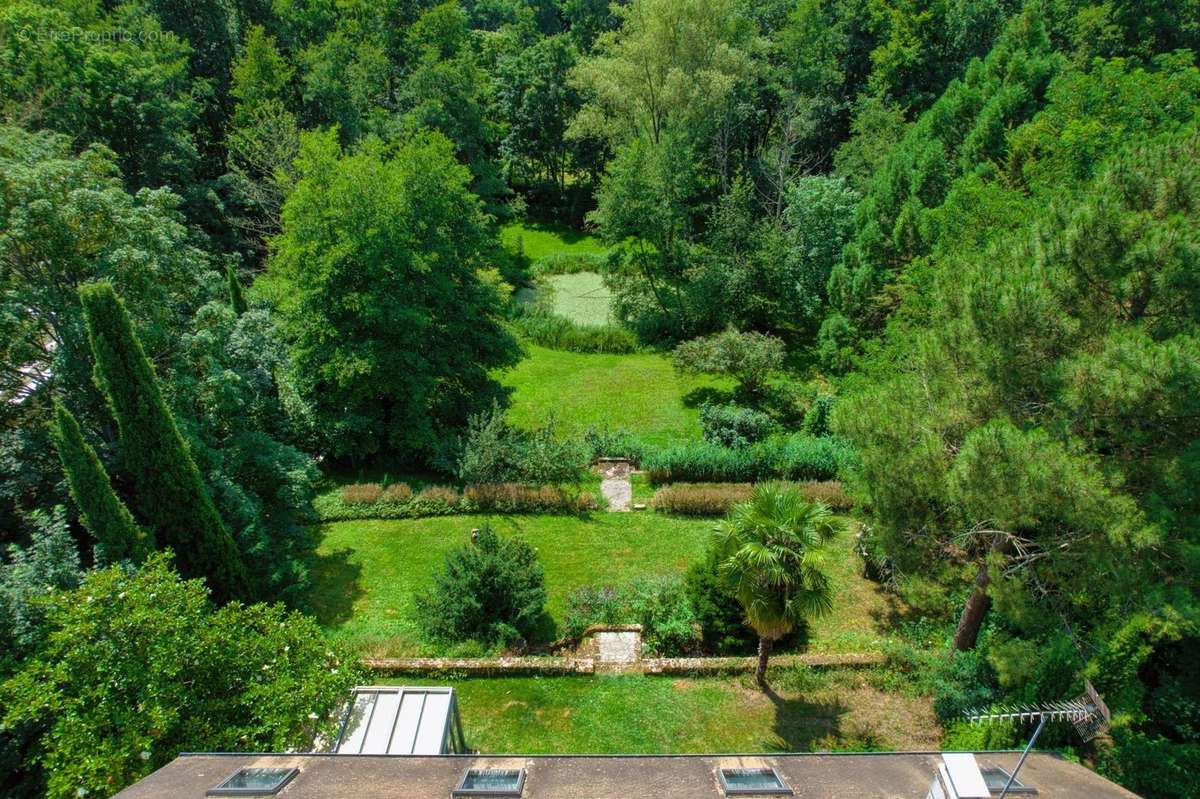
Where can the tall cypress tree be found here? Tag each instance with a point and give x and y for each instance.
(236, 298)
(105, 516)
(170, 496)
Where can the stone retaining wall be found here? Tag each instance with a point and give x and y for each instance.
(587, 665)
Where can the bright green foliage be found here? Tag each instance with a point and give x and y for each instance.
(734, 426)
(492, 590)
(770, 548)
(750, 358)
(497, 452)
(391, 331)
(137, 666)
(170, 496)
(117, 536)
(819, 218)
(659, 604)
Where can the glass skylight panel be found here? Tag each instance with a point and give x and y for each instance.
(491, 782)
(753, 782)
(254, 782)
(997, 778)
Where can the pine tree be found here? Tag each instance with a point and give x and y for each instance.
(105, 516)
(170, 496)
(236, 299)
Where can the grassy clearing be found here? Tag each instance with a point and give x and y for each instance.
(639, 392)
(537, 239)
(814, 710)
(368, 571)
(582, 297)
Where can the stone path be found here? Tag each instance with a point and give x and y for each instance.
(615, 486)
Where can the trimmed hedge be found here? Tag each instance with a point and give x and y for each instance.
(795, 457)
(556, 332)
(569, 263)
(398, 501)
(715, 499)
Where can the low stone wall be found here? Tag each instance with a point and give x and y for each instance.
(587, 665)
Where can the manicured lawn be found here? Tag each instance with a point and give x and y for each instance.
(814, 710)
(582, 297)
(368, 571)
(639, 392)
(541, 238)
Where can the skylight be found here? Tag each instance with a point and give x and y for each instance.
(997, 778)
(753, 782)
(491, 782)
(254, 782)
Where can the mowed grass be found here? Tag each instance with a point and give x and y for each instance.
(813, 710)
(537, 239)
(640, 392)
(367, 572)
(582, 297)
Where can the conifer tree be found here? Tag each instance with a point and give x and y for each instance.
(170, 496)
(236, 299)
(105, 516)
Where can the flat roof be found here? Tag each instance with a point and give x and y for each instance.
(812, 776)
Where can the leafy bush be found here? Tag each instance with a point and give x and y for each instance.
(750, 358)
(733, 426)
(517, 498)
(497, 452)
(703, 499)
(547, 329)
(569, 263)
(603, 442)
(816, 420)
(492, 590)
(362, 493)
(794, 457)
(722, 621)
(659, 604)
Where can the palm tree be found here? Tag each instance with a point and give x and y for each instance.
(771, 549)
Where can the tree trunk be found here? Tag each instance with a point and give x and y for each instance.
(973, 613)
(764, 652)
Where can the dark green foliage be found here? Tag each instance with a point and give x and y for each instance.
(604, 442)
(734, 426)
(117, 536)
(816, 419)
(236, 300)
(720, 616)
(170, 496)
(794, 457)
(496, 452)
(50, 562)
(136, 666)
(659, 604)
(491, 590)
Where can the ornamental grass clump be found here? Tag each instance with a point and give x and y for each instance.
(362, 493)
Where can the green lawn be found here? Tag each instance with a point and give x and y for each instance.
(543, 238)
(368, 571)
(582, 297)
(641, 392)
(814, 710)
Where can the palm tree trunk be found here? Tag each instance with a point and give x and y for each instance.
(764, 652)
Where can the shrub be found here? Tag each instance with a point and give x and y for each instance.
(659, 604)
(517, 498)
(397, 494)
(437, 498)
(722, 621)
(492, 590)
(733, 426)
(569, 263)
(793, 457)
(362, 493)
(547, 329)
(497, 452)
(816, 419)
(603, 442)
(704, 499)
(749, 358)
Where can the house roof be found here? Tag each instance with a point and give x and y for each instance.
(811, 776)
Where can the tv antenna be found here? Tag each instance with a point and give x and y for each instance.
(1087, 713)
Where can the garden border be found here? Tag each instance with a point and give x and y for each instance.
(538, 665)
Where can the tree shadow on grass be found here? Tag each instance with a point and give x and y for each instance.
(800, 724)
(707, 395)
(335, 587)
